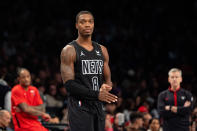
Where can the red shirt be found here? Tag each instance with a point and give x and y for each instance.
(23, 121)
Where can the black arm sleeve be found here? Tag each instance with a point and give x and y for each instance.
(80, 91)
(186, 110)
(161, 107)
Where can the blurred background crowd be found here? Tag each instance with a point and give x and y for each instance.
(144, 40)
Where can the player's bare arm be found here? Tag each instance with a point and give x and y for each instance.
(28, 109)
(39, 107)
(106, 70)
(68, 56)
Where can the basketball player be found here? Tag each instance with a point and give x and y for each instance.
(27, 104)
(87, 78)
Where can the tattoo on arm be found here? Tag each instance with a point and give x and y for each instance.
(28, 109)
(39, 108)
(68, 56)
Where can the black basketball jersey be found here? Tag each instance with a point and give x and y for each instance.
(89, 66)
(88, 69)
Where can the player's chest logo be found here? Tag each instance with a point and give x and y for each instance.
(32, 92)
(82, 53)
(98, 53)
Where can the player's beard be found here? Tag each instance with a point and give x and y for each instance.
(86, 35)
(26, 84)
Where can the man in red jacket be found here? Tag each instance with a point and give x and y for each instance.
(27, 104)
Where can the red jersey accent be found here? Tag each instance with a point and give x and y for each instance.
(175, 99)
(175, 95)
(23, 121)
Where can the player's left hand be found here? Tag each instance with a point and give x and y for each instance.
(106, 87)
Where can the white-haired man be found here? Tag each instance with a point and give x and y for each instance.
(175, 104)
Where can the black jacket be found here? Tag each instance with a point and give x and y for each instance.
(175, 121)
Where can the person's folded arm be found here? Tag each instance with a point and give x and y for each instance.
(186, 109)
(161, 107)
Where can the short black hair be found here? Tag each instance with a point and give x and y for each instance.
(154, 118)
(134, 116)
(83, 12)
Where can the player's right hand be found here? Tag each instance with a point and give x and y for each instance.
(46, 117)
(105, 96)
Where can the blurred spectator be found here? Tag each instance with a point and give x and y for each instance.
(143, 109)
(136, 122)
(109, 121)
(5, 119)
(51, 100)
(62, 93)
(119, 104)
(146, 118)
(138, 101)
(129, 107)
(64, 114)
(110, 108)
(58, 78)
(42, 90)
(7, 101)
(193, 120)
(154, 125)
(42, 76)
(119, 121)
(118, 92)
(142, 89)
(4, 94)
